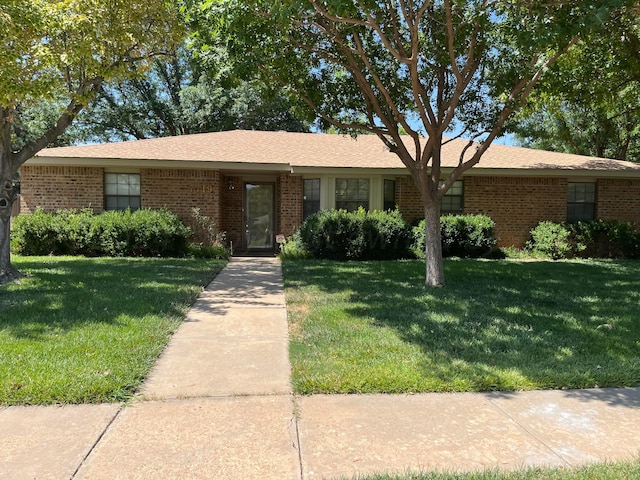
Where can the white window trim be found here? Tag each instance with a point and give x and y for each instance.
(328, 189)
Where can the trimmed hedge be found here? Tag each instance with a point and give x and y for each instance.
(596, 239)
(361, 235)
(143, 233)
(342, 235)
(467, 236)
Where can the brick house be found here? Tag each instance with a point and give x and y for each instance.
(256, 185)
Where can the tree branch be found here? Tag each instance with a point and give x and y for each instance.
(86, 91)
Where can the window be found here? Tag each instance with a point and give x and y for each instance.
(352, 193)
(389, 195)
(310, 196)
(121, 191)
(581, 202)
(452, 200)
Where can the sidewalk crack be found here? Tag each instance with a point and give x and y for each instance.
(295, 419)
(530, 433)
(98, 440)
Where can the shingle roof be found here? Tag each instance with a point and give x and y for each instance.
(317, 150)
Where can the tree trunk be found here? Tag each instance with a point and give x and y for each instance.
(433, 246)
(7, 198)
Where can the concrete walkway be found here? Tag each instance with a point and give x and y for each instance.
(218, 405)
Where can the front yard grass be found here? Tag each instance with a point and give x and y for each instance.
(601, 471)
(82, 330)
(498, 325)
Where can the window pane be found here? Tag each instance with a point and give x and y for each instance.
(310, 207)
(452, 200)
(134, 189)
(122, 191)
(389, 195)
(456, 188)
(581, 198)
(352, 193)
(341, 188)
(123, 203)
(352, 190)
(363, 189)
(110, 189)
(311, 196)
(311, 189)
(111, 203)
(590, 192)
(134, 203)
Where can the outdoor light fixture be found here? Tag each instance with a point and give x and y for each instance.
(231, 185)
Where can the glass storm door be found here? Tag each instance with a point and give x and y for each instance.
(259, 225)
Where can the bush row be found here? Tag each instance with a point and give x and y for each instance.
(143, 233)
(361, 235)
(595, 239)
(468, 236)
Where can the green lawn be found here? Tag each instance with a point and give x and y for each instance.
(602, 471)
(88, 330)
(497, 325)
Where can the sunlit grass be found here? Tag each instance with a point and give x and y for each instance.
(602, 471)
(497, 325)
(88, 330)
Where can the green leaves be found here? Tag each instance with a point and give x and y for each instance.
(53, 46)
(368, 65)
(589, 103)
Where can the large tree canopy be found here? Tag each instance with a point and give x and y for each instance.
(177, 97)
(590, 104)
(66, 50)
(415, 66)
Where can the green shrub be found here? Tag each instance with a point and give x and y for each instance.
(40, 233)
(606, 239)
(219, 251)
(69, 232)
(292, 249)
(596, 239)
(462, 236)
(386, 236)
(552, 240)
(361, 235)
(207, 241)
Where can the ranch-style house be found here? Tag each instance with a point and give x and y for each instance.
(259, 185)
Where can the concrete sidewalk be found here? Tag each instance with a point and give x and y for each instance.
(218, 405)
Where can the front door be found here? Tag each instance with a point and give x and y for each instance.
(259, 216)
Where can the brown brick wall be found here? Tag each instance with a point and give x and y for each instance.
(182, 190)
(232, 214)
(290, 203)
(516, 204)
(408, 200)
(618, 200)
(58, 187)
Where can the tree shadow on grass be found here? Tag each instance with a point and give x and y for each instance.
(501, 325)
(61, 294)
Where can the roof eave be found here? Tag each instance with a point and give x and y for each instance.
(145, 163)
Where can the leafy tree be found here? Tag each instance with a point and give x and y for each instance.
(55, 50)
(590, 105)
(176, 97)
(418, 66)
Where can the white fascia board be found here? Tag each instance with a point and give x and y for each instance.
(141, 163)
(398, 172)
